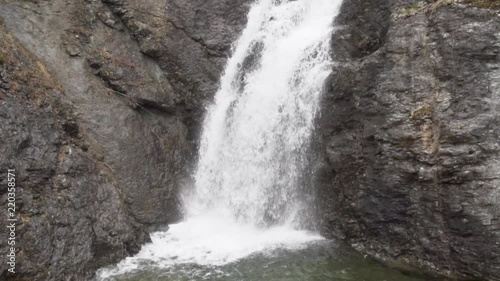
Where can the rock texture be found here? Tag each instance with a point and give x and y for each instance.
(101, 103)
(69, 206)
(409, 127)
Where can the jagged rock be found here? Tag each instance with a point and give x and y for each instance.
(135, 85)
(191, 40)
(73, 50)
(71, 219)
(408, 127)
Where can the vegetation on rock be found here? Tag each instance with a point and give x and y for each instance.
(487, 4)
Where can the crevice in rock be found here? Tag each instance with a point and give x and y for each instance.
(145, 104)
(212, 51)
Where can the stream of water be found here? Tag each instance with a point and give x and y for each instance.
(246, 217)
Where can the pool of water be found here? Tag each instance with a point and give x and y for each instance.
(318, 261)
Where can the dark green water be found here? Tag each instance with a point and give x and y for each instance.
(320, 261)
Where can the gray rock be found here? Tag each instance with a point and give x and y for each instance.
(191, 41)
(409, 132)
(69, 211)
(102, 160)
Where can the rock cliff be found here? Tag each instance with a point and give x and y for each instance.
(410, 137)
(101, 102)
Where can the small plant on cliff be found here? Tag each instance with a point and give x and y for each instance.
(486, 4)
(408, 11)
(422, 7)
(3, 58)
(423, 112)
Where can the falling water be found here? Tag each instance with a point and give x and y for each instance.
(253, 149)
(247, 193)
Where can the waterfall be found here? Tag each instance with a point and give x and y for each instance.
(255, 139)
(255, 136)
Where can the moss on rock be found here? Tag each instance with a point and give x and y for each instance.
(423, 112)
(485, 4)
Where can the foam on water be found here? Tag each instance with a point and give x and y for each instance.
(210, 240)
(248, 188)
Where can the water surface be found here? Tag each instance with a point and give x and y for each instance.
(319, 261)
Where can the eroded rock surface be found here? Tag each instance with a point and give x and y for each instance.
(409, 126)
(101, 158)
(70, 215)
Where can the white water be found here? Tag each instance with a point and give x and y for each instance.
(247, 194)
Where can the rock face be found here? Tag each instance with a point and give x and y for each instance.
(409, 131)
(69, 206)
(100, 104)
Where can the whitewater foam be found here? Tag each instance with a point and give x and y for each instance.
(210, 240)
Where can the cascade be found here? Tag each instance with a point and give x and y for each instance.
(255, 139)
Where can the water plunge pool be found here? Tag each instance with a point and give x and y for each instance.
(321, 260)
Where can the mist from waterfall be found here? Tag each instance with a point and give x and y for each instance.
(247, 196)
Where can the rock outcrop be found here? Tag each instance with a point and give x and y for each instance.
(70, 215)
(101, 104)
(409, 130)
